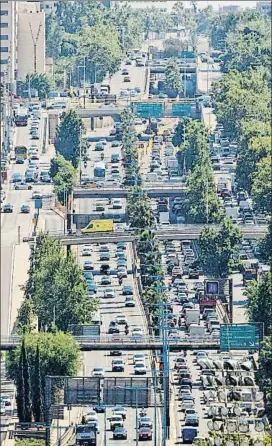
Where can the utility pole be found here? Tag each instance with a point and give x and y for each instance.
(84, 83)
(207, 201)
(35, 41)
(80, 155)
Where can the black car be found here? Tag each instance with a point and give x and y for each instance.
(100, 408)
(193, 274)
(116, 353)
(8, 208)
(120, 433)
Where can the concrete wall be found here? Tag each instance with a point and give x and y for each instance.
(31, 32)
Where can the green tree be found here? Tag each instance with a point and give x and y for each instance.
(262, 187)
(260, 301)
(173, 77)
(27, 384)
(57, 287)
(37, 391)
(264, 376)
(36, 81)
(194, 139)
(69, 133)
(59, 356)
(180, 132)
(266, 245)
(172, 47)
(20, 394)
(26, 317)
(64, 177)
(139, 209)
(217, 249)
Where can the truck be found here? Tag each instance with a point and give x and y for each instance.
(164, 218)
(171, 162)
(197, 331)
(99, 169)
(192, 317)
(207, 302)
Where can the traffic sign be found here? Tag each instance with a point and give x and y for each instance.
(38, 203)
(240, 336)
(212, 287)
(148, 110)
(180, 110)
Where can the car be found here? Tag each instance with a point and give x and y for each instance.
(31, 176)
(104, 248)
(145, 422)
(8, 208)
(99, 147)
(126, 78)
(140, 368)
(201, 355)
(16, 177)
(22, 186)
(115, 144)
(98, 372)
(127, 290)
(109, 292)
(2, 409)
(36, 195)
(91, 287)
(86, 251)
(113, 328)
(129, 301)
(117, 365)
(88, 264)
(125, 72)
(121, 262)
(145, 433)
(25, 209)
(121, 271)
(121, 319)
(46, 178)
(191, 420)
(120, 433)
(35, 134)
(116, 353)
(19, 160)
(137, 331)
(117, 204)
(121, 245)
(100, 408)
(105, 280)
(94, 425)
(119, 410)
(116, 421)
(104, 256)
(88, 275)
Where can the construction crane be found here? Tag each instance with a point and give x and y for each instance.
(35, 41)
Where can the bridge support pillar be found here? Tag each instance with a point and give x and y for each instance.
(92, 124)
(68, 249)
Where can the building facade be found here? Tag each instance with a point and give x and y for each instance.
(264, 7)
(48, 6)
(30, 39)
(8, 42)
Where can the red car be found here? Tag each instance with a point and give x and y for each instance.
(145, 433)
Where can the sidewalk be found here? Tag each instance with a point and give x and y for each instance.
(19, 277)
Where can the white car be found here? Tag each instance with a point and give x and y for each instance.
(117, 204)
(22, 186)
(86, 251)
(140, 369)
(98, 372)
(121, 319)
(109, 292)
(137, 332)
(2, 409)
(139, 356)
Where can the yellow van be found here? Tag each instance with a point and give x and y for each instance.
(98, 226)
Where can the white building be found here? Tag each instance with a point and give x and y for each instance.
(264, 7)
(31, 39)
(48, 6)
(229, 9)
(8, 41)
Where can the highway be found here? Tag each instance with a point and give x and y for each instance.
(16, 224)
(137, 79)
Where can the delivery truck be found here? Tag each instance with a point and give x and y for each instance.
(192, 316)
(197, 331)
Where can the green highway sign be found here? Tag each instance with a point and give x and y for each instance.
(148, 110)
(240, 337)
(179, 110)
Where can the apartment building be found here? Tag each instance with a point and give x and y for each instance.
(264, 7)
(30, 39)
(8, 41)
(48, 6)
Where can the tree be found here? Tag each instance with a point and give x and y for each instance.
(68, 136)
(57, 287)
(26, 317)
(64, 177)
(260, 301)
(266, 245)
(36, 81)
(59, 355)
(217, 249)
(194, 149)
(172, 47)
(27, 384)
(180, 132)
(139, 210)
(262, 188)
(173, 77)
(20, 394)
(37, 389)
(264, 375)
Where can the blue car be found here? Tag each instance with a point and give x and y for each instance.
(16, 178)
(88, 275)
(91, 287)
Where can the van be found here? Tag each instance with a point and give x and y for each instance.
(98, 226)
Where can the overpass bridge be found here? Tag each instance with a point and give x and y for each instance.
(175, 232)
(90, 343)
(152, 191)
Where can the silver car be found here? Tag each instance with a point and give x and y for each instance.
(22, 186)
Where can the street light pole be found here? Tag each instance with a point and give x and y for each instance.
(84, 83)
(80, 155)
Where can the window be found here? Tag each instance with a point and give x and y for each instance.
(3, 25)
(3, 12)
(3, 61)
(4, 37)
(4, 49)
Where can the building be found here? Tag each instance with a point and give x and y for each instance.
(229, 9)
(8, 36)
(30, 39)
(48, 6)
(264, 7)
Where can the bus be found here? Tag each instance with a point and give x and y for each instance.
(99, 169)
(85, 435)
(21, 118)
(20, 151)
